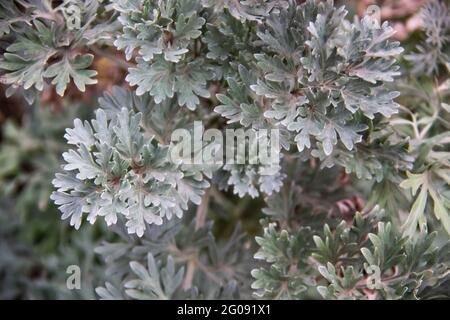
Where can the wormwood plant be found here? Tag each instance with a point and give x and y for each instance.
(358, 205)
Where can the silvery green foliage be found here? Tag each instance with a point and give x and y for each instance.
(247, 179)
(324, 77)
(426, 183)
(241, 106)
(166, 34)
(154, 282)
(253, 10)
(36, 270)
(45, 49)
(435, 49)
(11, 15)
(143, 268)
(343, 261)
(304, 69)
(417, 263)
(117, 168)
(286, 255)
(158, 28)
(320, 80)
(378, 159)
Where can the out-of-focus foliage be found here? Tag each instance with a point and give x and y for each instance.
(344, 258)
(46, 43)
(35, 249)
(208, 268)
(435, 47)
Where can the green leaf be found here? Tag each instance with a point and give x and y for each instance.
(65, 70)
(152, 283)
(158, 79)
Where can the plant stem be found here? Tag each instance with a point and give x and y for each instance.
(200, 219)
(202, 211)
